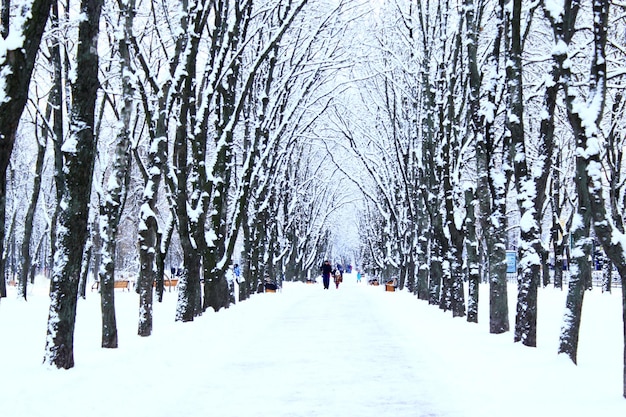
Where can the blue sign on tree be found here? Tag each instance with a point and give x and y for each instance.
(511, 262)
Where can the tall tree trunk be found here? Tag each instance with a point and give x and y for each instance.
(558, 234)
(16, 70)
(58, 120)
(473, 15)
(117, 187)
(28, 222)
(530, 243)
(491, 191)
(422, 254)
(88, 255)
(579, 271)
(149, 238)
(435, 290)
(79, 151)
(590, 178)
(471, 247)
(6, 255)
(191, 228)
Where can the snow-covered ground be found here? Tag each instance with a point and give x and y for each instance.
(352, 351)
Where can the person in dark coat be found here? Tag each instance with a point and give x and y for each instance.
(326, 271)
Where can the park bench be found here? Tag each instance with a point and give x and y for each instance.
(168, 282)
(124, 284)
(271, 286)
(391, 285)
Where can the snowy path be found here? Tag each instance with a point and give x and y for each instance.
(356, 351)
(327, 353)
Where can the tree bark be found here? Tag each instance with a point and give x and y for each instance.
(590, 179)
(17, 69)
(579, 271)
(79, 153)
(490, 191)
(28, 223)
(471, 247)
(117, 187)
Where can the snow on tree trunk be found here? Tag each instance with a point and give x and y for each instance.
(530, 243)
(149, 234)
(116, 188)
(79, 152)
(21, 37)
(491, 189)
(475, 120)
(187, 168)
(559, 239)
(585, 117)
(422, 254)
(436, 262)
(580, 269)
(471, 248)
(28, 223)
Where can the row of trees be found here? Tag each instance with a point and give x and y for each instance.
(495, 125)
(166, 134)
(193, 133)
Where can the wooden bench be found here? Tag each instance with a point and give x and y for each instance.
(390, 287)
(269, 286)
(124, 284)
(168, 282)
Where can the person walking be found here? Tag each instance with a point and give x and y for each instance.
(340, 269)
(237, 272)
(338, 279)
(326, 270)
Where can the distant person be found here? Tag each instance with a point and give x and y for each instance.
(237, 272)
(358, 276)
(340, 269)
(326, 269)
(338, 279)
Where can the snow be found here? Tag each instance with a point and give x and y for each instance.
(555, 9)
(305, 351)
(70, 145)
